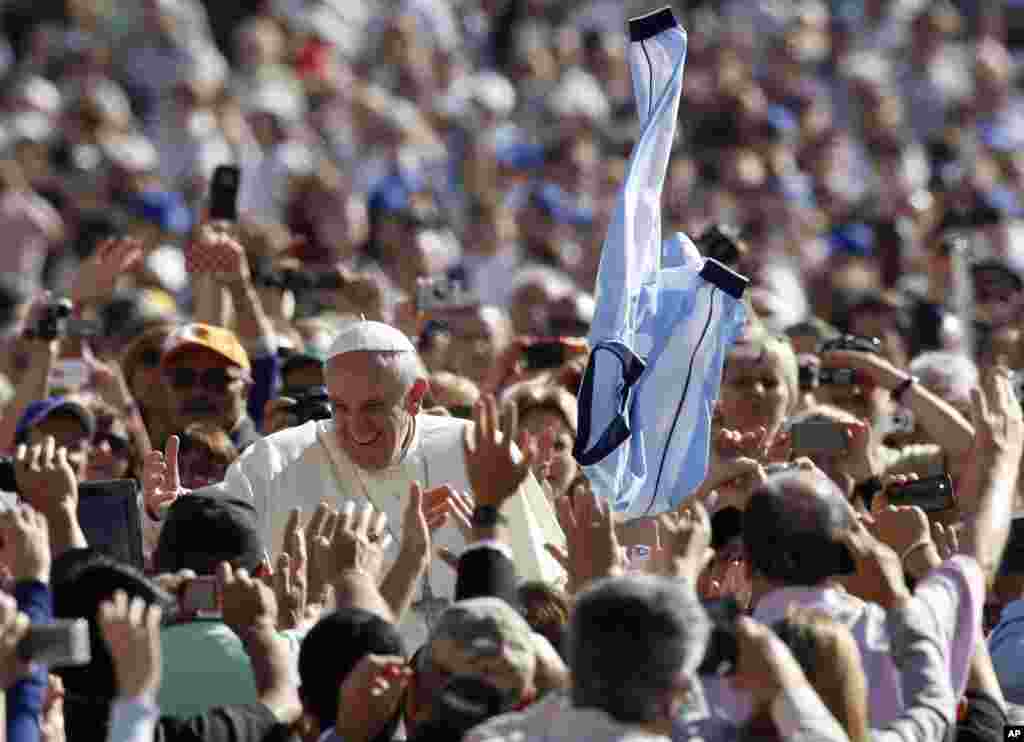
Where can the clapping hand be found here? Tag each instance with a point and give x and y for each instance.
(132, 631)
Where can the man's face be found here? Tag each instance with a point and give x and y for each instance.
(206, 387)
(372, 409)
(869, 404)
(68, 433)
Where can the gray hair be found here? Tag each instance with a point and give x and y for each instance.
(632, 641)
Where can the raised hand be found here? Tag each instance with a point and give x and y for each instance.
(358, 543)
(46, 479)
(495, 471)
(248, 604)
(291, 580)
(319, 533)
(216, 253)
(26, 537)
(593, 546)
(97, 276)
(764, 664)
(879, 576)
(161, 479)
(684, 548)
(132, 632)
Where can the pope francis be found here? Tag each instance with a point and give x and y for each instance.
(375, 446)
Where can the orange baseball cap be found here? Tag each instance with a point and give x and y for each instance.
(220, 340)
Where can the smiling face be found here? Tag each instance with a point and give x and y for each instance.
(755, 392)
(374, 406)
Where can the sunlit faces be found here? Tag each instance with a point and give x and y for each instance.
(563, 469)
(206, 387)
(755, 391)
(373, 407)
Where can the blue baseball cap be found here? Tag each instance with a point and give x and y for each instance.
(39, 411)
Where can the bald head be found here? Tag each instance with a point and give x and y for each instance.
(789, 527)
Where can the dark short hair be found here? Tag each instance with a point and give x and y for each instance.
(630, 639)
(203, 530)
(332, 649)
(788, 529)
(546, 609)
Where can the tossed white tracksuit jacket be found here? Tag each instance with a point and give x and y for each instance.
(665, 315)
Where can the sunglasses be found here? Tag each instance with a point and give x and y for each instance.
(118, 443)
(212, 379)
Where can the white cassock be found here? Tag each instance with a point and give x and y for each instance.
(302, 466)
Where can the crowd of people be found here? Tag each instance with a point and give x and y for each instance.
(309, 470)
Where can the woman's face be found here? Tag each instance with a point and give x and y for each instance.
(563, 467)
(110, 455)
(754, 393)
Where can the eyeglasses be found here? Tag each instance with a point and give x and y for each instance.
(118, 443)
(212, 379)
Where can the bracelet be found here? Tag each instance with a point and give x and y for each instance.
(898, 392)
(923, 543)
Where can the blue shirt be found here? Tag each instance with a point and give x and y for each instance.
(1006, 645)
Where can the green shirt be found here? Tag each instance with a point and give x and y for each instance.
(205, 665)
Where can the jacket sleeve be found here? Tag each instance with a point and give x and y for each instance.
(630, 256)
(25, 698)
(933, 636)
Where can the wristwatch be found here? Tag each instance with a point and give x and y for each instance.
(487, 516)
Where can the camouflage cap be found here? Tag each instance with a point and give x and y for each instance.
(486, 636)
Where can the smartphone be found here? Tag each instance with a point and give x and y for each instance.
(722, 651)
(544, 354)
(224, 193)
(932, 495)
(441, 292)
(818, 436)
(201, 598)
(63, 643)
(837, 376)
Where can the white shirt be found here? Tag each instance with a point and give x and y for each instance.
(302, 466)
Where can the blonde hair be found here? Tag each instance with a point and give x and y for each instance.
(830, 658)
(779, 348)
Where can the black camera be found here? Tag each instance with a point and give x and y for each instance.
(854, 343)
(837, 376)
(56, 322)
(311, 403)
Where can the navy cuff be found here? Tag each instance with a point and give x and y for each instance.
(652, 24)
